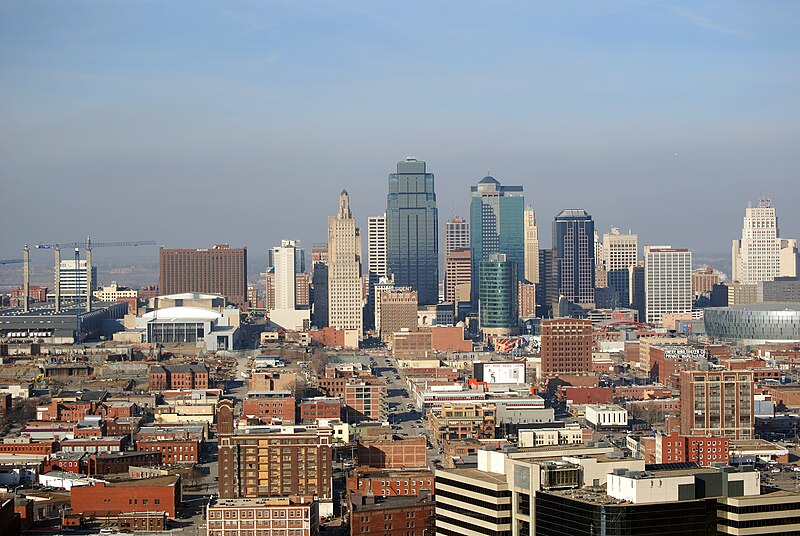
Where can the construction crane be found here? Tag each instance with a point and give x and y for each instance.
(89, 245)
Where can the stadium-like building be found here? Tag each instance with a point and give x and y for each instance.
(755, 323)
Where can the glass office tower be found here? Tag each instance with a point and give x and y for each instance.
(412, 222)
(573, 250)
(496, 219)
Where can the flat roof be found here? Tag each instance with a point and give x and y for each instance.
(474, 474)
(49, 310)
(262, 501)
(166, 480)
(391, 501)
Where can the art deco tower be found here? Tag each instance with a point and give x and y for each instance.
(345, 303)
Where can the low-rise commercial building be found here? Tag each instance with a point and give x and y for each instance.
(277, 516)
(109, 499)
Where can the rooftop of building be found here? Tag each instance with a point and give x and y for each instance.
(191, 295)
(475, 474)
(389, 502)
(762, 306)
(262, 502)
(369, 472)
(124, 482)
(83, 395)
(755, 444)
(67, 311)
(181, 313)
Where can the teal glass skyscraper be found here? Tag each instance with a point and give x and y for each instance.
(498, 302)
(497, 220)
(412, 237)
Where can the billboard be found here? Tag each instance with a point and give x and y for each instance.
(513, 372)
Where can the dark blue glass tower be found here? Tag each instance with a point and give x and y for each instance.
(573, 251)
(412, 237)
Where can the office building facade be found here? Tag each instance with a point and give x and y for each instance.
(620, 251)
(286, 261)
(531, 247)
(412, 230)
(718, 403)
(756, 256)
(345, 304)
(573, 252)
(456, 235)
(566, 346)
(668, 282)
(458, 276)
(496, 221)
(497, 303)
(220, 270)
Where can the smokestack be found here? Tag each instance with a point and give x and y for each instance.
(89, 287)
(26, 277)
(58, 278)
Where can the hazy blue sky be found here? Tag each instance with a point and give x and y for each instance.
(195, 122)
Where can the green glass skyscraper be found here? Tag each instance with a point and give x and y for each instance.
(412, 237)
(497, 226)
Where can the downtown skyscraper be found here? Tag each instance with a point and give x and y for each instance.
(760, 254)
(573, 253)
(345, 304)
(496, 226)
(412, 223)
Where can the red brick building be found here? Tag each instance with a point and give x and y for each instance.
(190, 376)
(390, 483)
(391, 516)
(159, 494)
(172, 451)
(321, 407)
(120, 462)
(395, 453)
(270, 406)
(704, 450)
(328, 336)
(438, 372)
(449, 339)
(566, 346)
(35, 448)
(585, 395)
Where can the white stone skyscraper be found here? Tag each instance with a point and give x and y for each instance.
(760, 255)
(531, 238)
(345, 303)
(376, 246)
(667, 282)
(287, 262)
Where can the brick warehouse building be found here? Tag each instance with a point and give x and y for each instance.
(190, 376)
(159, 494)
(220, 270)
(172, 450)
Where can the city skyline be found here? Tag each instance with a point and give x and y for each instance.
(689, 109)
